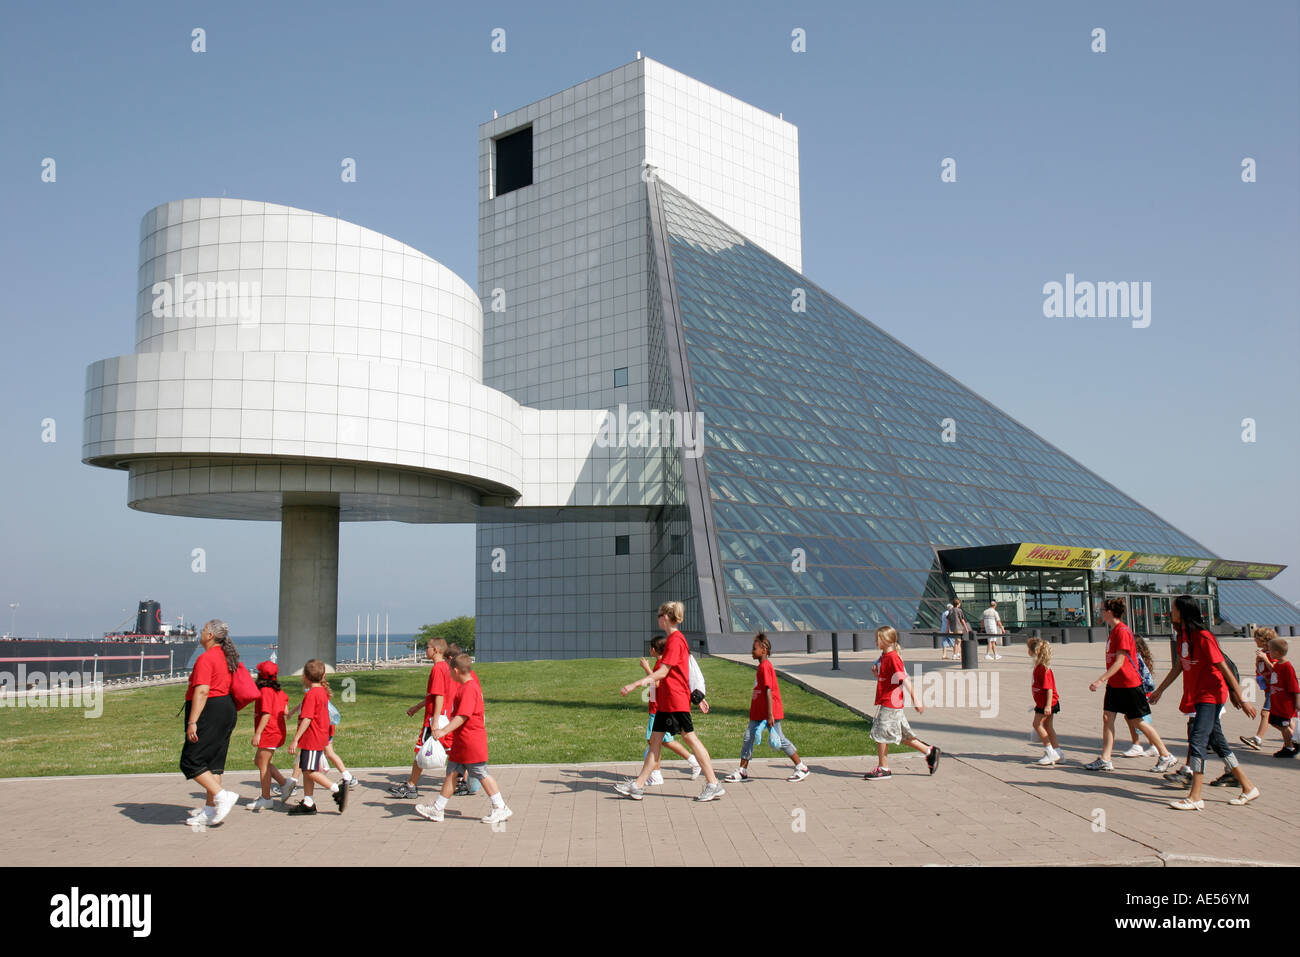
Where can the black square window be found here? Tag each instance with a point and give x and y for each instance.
(678, 545)
(514, 160)
(622, 544)
(620, 377)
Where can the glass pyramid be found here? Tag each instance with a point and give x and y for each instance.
(838, 461)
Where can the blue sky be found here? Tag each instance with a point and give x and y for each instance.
(1123, 165)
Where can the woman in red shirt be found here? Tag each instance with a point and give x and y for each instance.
(1207, 684)
(209, 722)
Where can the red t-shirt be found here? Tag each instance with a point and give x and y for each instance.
(274, 703)
(1282, 688)
(440, 683)
(1120, 642)
(674, 692)
(470, 746)
(1199, 656)
(1045, 687)
(315, 705)
(758, 703)
(889, 680)
(210, 670)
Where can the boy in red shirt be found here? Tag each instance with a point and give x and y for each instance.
(766, 710)
(890, 725)
(313, 734)
(1283, 696)
(268, 730)
(1263, 666)
(469, 751)
(437, 712)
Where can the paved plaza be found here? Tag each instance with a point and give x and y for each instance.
(988, 804)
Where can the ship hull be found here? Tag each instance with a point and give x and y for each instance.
(107, 659)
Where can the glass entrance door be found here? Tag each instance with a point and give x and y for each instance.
(1137, 614)
(1159, 613)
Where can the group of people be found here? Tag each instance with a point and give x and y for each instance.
(1209, 684)
(453, 708)
(955, 627)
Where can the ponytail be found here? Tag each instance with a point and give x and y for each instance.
(221, 631)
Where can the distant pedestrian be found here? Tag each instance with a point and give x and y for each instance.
(957, 625)
(949, 642)
(991, 623)
(1047, 701)
(209, 722)
(268, 731)
(1207, 685)
(766, 712)
(1124, 693)
(890, 725)
(673, 713)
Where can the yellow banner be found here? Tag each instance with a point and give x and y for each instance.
(1060, 556)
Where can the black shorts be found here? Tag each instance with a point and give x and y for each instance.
(1130, 702)
(673, 722)
(216, 724)
(310, 760)
(1277, 722)
(1056, 709)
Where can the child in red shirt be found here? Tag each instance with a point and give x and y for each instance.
(657, 646)
(766, 710)
(1263, 667)
(1047, 702)
(1284, 696)
(436, 704)
(890, 725)
(469, 751)
(269, 730)
(313, 735)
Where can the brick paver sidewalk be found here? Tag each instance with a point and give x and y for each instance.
(986, 805)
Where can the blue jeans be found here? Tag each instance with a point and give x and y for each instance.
(747, 748)
(1203, 729)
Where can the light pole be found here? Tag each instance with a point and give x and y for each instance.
(12, 606)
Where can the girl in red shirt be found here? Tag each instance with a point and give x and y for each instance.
(268, 730)
(765, 709)
(1047, 702)
(1207, 684)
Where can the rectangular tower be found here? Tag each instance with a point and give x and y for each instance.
(563, 255)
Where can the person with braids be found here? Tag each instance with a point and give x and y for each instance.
(209, 722)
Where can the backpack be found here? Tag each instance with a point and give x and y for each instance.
(335, 718)
(1148, 683)
(243, 689)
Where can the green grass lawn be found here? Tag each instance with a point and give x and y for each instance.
(538, 712)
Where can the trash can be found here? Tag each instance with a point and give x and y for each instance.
(970, 653)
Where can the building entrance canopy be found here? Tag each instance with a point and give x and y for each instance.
(1089, 558)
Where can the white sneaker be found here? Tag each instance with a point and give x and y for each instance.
(262, 804)
(656, 778)
(287, 788)
(1134, 751)
(1151, 752)
(498, 815)
(1164, 764)
(198, 814)
(1048, 758)
(696, 770)
(711, 792)
(736, 776)
(226, 801)
(1056, 753)
(799, 774)
(988, 657)
(429, 812)
(997, 657)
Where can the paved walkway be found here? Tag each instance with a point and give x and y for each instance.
(987, 804)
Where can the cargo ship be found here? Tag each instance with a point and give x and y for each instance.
(151, 650)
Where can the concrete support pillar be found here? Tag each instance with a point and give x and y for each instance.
(309, 585)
